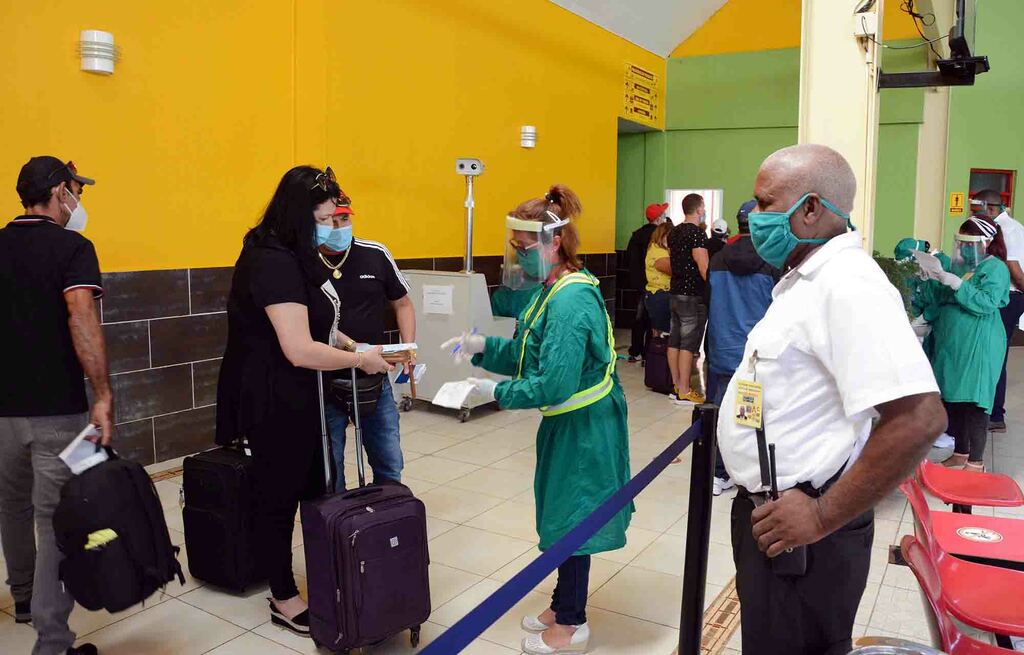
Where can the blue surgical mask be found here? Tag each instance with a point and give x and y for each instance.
(773, 237)
(335, 238)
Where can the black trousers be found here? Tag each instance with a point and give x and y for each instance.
(288, 466)
(968, 425)
(811, 614)
(1011, 317)
(569, 600)
(641, 329)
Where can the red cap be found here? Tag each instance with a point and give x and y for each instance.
(343, 209)
(656, 210)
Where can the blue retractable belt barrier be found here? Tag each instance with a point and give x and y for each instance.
(494, 607)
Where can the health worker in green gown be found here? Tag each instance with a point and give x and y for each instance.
(562, 362)
(968, 340)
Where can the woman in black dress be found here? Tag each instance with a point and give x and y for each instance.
(282, 330)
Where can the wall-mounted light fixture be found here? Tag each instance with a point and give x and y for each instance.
(98, 52)
(528, 136)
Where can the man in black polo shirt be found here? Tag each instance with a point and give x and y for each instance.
(50, 339)
(367, 280)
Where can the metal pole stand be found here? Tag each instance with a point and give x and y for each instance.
(469, 224)
(698, 531)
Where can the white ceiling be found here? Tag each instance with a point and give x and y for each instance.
(655, 25)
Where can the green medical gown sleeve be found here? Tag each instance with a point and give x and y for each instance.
(930, 296)
(500, 356)
(562, 349)
(987, 291)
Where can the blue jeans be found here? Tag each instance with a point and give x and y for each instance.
(717, 385)
(380, 438)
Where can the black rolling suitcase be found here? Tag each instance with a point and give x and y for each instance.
(657, 376)
(218, 514)
(366, 557)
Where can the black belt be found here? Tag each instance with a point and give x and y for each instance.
(806, 487)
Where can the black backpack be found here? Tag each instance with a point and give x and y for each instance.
(111, 529)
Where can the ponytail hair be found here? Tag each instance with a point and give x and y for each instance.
(997, 247)
(559, 203)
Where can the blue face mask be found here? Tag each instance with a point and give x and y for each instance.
(773, 237)
(337, 239)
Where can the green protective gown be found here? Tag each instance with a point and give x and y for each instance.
(511, 302)
(968, 341)
(583, 455)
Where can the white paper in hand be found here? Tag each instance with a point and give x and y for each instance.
(81, 454)
(928, 262)
(453, 395)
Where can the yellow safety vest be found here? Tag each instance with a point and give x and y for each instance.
(588, 396)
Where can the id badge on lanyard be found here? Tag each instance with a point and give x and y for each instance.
(750, 398)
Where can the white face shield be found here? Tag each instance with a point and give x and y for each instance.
(529, 250)
(968, 252)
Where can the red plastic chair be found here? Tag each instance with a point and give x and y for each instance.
(986, 597)
(943, 629)
(967, 535)
(959, 487)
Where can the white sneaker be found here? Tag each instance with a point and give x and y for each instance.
(534, 624)
(534, 644)
(1017, 643)
(722, 485)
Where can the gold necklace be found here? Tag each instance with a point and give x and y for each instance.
(336, 272)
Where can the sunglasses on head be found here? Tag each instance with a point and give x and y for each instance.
(324, 180)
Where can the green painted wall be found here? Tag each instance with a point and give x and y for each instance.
(629, 188)
(986, 128)
(726, 113)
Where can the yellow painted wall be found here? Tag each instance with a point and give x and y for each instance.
(213, 101)
(754, 25)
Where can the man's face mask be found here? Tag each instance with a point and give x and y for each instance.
(773, 237)
(77, 217)
(335, 238)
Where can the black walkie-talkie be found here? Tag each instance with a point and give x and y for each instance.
(792, 561)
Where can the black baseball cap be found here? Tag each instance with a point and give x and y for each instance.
(44, 172)
(742, 216)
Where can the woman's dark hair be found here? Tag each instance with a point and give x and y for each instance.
(998, 246)
(289, 214)
(563, 202)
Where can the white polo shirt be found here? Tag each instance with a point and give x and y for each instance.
(834, 344)
(1013, 235)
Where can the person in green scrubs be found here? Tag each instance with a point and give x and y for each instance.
(562, 362)
(968, 341)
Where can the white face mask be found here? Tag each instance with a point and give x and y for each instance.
(78, 217)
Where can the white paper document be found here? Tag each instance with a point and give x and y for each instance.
(388, 348)
(453, 395)
(80, 454)
(437, 299)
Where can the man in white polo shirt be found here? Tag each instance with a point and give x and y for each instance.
(1013, 236)
(834, 353)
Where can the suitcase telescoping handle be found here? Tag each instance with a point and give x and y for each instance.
(325, 438)
(358, 430)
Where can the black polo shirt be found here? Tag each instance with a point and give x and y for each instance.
(686, 277)
(370, 279)
(39, 262)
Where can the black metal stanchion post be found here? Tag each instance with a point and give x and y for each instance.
(698, 531)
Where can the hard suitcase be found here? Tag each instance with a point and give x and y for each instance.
(220, 533)
(657, 375)
(366, 557)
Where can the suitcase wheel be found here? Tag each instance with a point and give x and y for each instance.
(405, 404)
(414, 636)
(463, 415)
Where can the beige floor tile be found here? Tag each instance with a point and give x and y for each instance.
(287, 639)
(83, 622)
(478, 452)
(175, 588)
(495, 482)
(446, 583)
(879, 561)
(642, 594)
(399, 644)
(900, 611)
(459, 431)
(525, 461)
(14, 637)
(171, 628)
(867, 604)
(169, 491)
(423, 415)
(508, 630)
(251, 644)
(601, 571)
(664, 554)
(510, 518)
(517, 437)
(657, 515)
(438, 470)
(637, 539)
(456, 505)
(174, 519)
(476, 551)
(418, 487)
(177, 537)
(615, 634)
(451, 612)
(246, 610)
(437, 527)
(886, 532)
(426, 443)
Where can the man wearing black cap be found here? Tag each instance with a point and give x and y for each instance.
(50, 340)
(636, 253)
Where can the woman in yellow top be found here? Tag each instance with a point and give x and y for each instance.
(659, 277)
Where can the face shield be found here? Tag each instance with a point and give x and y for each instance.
(529, 249)
(969, 250)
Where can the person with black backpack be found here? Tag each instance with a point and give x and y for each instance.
(50, 341)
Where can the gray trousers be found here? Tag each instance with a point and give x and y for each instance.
(31, 475)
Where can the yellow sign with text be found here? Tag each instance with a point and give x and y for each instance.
(956, 203)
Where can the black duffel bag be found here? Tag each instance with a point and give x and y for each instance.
(369, 388)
